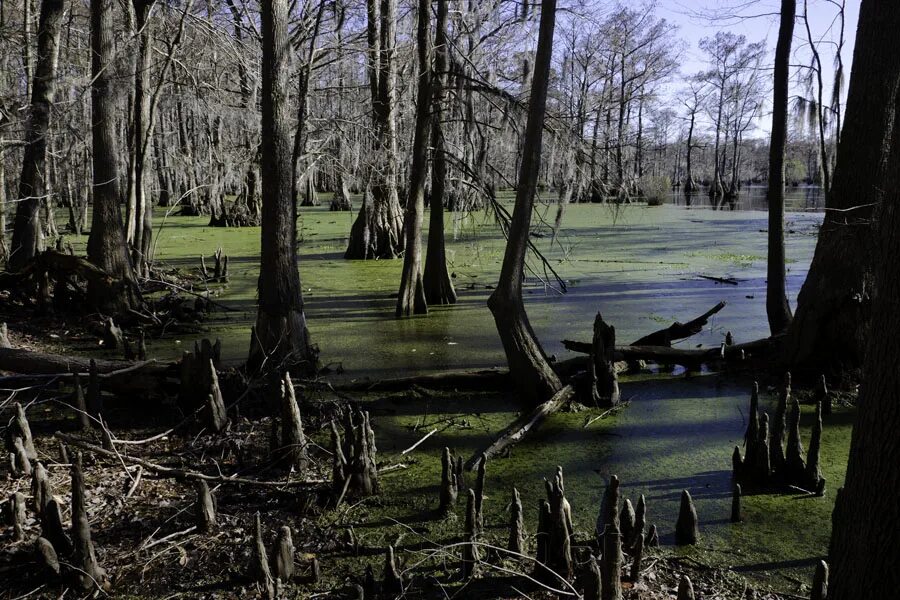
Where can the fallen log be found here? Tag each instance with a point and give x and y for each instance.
(519, 428)
(688, 357)
(678, 331)
(119, 377)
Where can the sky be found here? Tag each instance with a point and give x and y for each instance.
(758, 19)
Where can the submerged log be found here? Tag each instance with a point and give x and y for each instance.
(687, 530)
(679, 331)
(690, 358)
(480, 379)
(519, 428)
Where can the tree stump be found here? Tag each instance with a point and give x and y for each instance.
(638, 557)
(392, 582)
(814, 479)
(609, 509)
(605, 384)
(736, 516)
(41, 489)
(449, 484)
(794, 467)
(685, 589)
(46, 555)
(259, 567)
(215, 418)
(354, 471)
(293, 440)
(820, 582)
(626, 522)
(470, 553)
(640, 520)
(78, 401)
(205, 507)
(687, 530)
(612, 563)
(283, 561)
(52, 529)
(16, 515)
(90, 574)
(516, 525)
(593, 584)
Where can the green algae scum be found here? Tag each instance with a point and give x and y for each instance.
(641, 267)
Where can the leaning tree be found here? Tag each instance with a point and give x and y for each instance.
(528, 365)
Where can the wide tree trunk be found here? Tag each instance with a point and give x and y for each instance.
(830, 328)
(280, 338)
(436, 278)
(141, 128)
(528, 366)
(106, 244)
(378, 229)
(411, 299)
(864, 550)
(777, 307)
(27, 237)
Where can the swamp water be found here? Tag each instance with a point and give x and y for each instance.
(638, 265)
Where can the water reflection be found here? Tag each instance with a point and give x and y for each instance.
(753, 197)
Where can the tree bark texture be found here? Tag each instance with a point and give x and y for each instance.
(281, 337)
(27, 238)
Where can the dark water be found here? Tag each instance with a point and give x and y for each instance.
(753, 197)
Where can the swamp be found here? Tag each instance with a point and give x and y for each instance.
(430, 299)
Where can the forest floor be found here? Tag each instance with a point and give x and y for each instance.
(639, 265)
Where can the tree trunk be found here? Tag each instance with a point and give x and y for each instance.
(411, 299)
(378, 229)
(281, 337)
(830, 328)
(141, 129)
(528, 364)
(777, 307)
(864, 551)
(27, 239)
(436, 278)
(106, 245)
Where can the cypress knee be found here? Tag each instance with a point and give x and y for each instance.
(686, 529)
(516, 525)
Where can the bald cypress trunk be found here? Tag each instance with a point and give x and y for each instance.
(864, 551)
(106, 245)
(528, 364)
(412, 293)
(27, 239)
(280, 337)
(830, 328)
(777, 307)
(436, 278)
